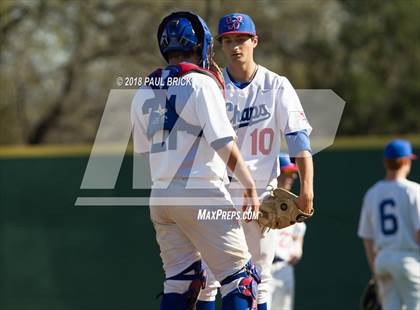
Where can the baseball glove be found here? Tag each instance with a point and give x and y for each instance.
(370, 299)
(279, 210)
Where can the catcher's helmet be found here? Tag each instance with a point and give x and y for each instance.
(184, 31)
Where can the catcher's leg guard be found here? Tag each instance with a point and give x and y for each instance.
(207, 298)
(206, 305)
(198, 276)
(243, 296)
(174, 301)
(262, 306)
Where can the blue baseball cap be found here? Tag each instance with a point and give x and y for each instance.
(286, 164)
(236, 23)
(399, 148)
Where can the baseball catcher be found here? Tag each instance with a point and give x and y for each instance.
(182, 124)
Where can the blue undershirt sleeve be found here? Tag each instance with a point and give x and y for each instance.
(298, 141)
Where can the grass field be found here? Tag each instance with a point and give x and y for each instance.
(58, 256)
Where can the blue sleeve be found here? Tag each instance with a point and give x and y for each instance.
(298, 141)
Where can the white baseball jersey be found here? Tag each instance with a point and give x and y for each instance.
(180, 154)
(260, 113)
(391, 215)
(286, 245)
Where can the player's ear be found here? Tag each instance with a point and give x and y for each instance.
(254, 40)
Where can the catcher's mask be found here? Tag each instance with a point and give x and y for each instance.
(185, 31)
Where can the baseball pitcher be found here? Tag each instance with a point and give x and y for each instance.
(262, 106)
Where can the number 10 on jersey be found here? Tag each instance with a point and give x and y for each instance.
(262, 141)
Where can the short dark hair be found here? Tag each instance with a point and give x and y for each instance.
(395, 164)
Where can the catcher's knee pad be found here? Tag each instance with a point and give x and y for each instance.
(198, 277)
(239, 290)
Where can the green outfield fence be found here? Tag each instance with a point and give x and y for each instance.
(58, 256)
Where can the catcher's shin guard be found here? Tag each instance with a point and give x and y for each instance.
(205, 305)
(244, 294)
(262, 306)
(174, 301)
(188, 299)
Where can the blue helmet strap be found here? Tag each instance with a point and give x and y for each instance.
(207, 43)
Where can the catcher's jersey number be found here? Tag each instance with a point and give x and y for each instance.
(156, 107)
(387, 216)
(164, 122)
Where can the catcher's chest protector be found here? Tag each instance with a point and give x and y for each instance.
(171, 114)
(182, 69)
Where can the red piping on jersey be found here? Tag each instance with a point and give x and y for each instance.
(188, 68)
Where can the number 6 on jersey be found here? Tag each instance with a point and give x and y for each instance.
(389, 223)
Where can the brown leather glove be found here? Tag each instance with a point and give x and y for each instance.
(279, 210)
